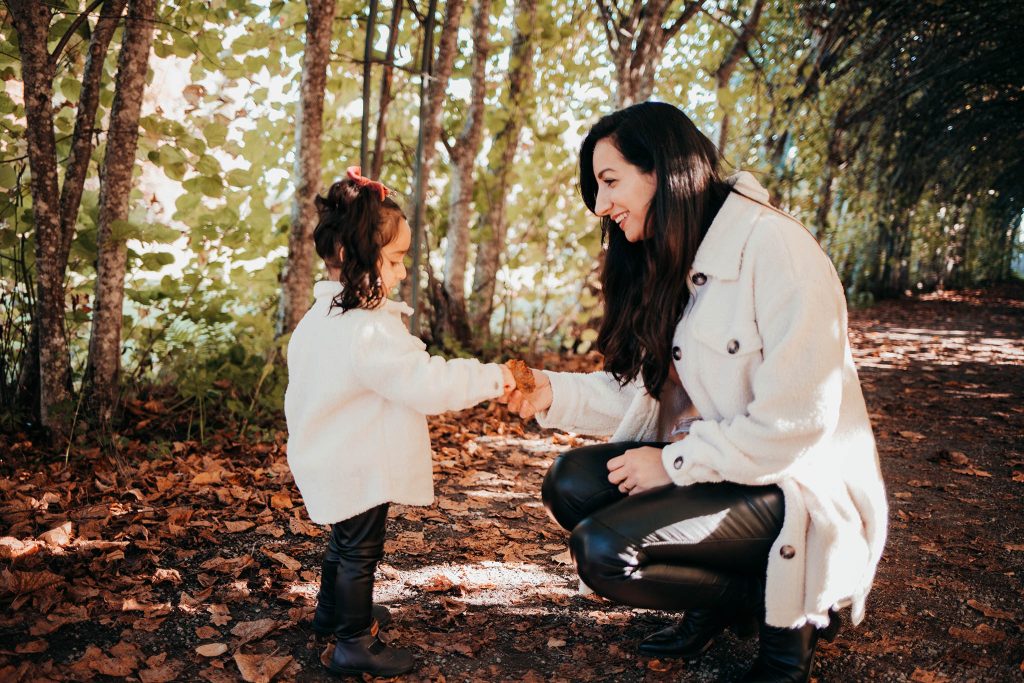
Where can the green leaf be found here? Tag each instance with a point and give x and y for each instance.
(239, 178)
(215, 133)
(121, 231)
(157, 260)
(211, 186)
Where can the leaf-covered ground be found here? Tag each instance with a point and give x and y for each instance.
(199, 564)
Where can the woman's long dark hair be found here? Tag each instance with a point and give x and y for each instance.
(355, 219)
(644, 283)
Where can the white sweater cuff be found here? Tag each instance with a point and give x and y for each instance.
(565, 402)
(682, 461)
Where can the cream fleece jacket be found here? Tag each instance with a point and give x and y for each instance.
(359, 388)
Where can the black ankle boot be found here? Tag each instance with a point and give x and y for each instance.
(696, 632)
(787, 654)
(323, 618)
(365, 653)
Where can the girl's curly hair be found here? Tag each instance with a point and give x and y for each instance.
(355, 224)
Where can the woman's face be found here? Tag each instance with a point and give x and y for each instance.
(624, 192)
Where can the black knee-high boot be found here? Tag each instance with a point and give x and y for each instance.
(324, 619)
(787, 654)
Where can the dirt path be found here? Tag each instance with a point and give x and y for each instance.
(206, 546)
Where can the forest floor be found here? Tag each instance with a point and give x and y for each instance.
(188, 561)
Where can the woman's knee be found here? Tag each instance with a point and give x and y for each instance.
(604, 558)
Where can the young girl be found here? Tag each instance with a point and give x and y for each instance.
(359, 387)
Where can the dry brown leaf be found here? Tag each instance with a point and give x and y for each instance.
(162, 673)
(270, 530)
(556, 642)
(221, 614)
(206, 478)
(982, 634)
(32, 647)
(212, 649)
(563, 558)
(974, 472)
(437, 584)
(281, 501)
(12, 548)
(260, 668)
(287, 561)
(924, 676)
(659, 666)
(991, 612)
(207, 632)
(20, 582)
(235, 527)
(172, 576)
(301, 526)
(58, 536)
(249, 631)
(913, 436)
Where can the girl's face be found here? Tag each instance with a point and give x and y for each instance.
(624, 192)
(392, 257)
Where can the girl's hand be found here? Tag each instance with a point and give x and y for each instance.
(528, 405)
(638, 470)
(509, 382)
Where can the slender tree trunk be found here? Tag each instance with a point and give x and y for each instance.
(104, 362)
(298, 270)
(364, 146)
(385, 91)
(430, 132)
(728, 66)
(491, 226)
(32, 22)
(637, 38)
(464, 154)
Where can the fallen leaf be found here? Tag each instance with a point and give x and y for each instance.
(207, 632)
(254, 630)
(437, 584)
(563, 558)
(281, 501)
(288, 562)
(162, 673)
(172, 576)
(913, 436)
(235, 527)
(658, 665)
(212, 649)
(260, 668)
(58, 536)
(991, 612)
(924, 676)
(974, 472)
(556, 642)
(31, 647)
(205, 478)
(982, 634)
(21, 582)
(12, 548)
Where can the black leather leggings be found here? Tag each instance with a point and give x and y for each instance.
(674, 547)
(346, 584)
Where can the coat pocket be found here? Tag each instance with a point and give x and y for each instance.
(735, 341)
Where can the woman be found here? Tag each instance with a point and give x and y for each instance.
(741, 480)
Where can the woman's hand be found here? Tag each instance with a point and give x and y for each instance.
(638, 470)
(528, 405)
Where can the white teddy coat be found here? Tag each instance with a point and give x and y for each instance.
(359, 386)
(762, 350)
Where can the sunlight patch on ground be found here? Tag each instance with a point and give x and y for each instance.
(479, 583)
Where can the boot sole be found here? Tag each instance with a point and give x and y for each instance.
(340, 671)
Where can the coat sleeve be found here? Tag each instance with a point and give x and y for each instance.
(395, 364)
(797, 389)
(590, 403)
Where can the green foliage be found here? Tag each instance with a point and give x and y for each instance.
(207, 230)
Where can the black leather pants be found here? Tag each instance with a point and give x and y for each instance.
(346, 584)
(672, 548)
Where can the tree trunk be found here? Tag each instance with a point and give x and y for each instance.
(364, 140)
(298, 269)
(728, 67)
(491, 223)
(463, 156)
(385, 92)
(104, 362)
(32, 22)
(637, 39)
(430, 132)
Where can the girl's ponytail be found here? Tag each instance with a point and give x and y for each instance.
(357, 219)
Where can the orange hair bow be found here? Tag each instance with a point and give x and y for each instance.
(356, 174)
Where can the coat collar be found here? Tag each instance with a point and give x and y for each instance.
(721, 250)
(332, 288)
